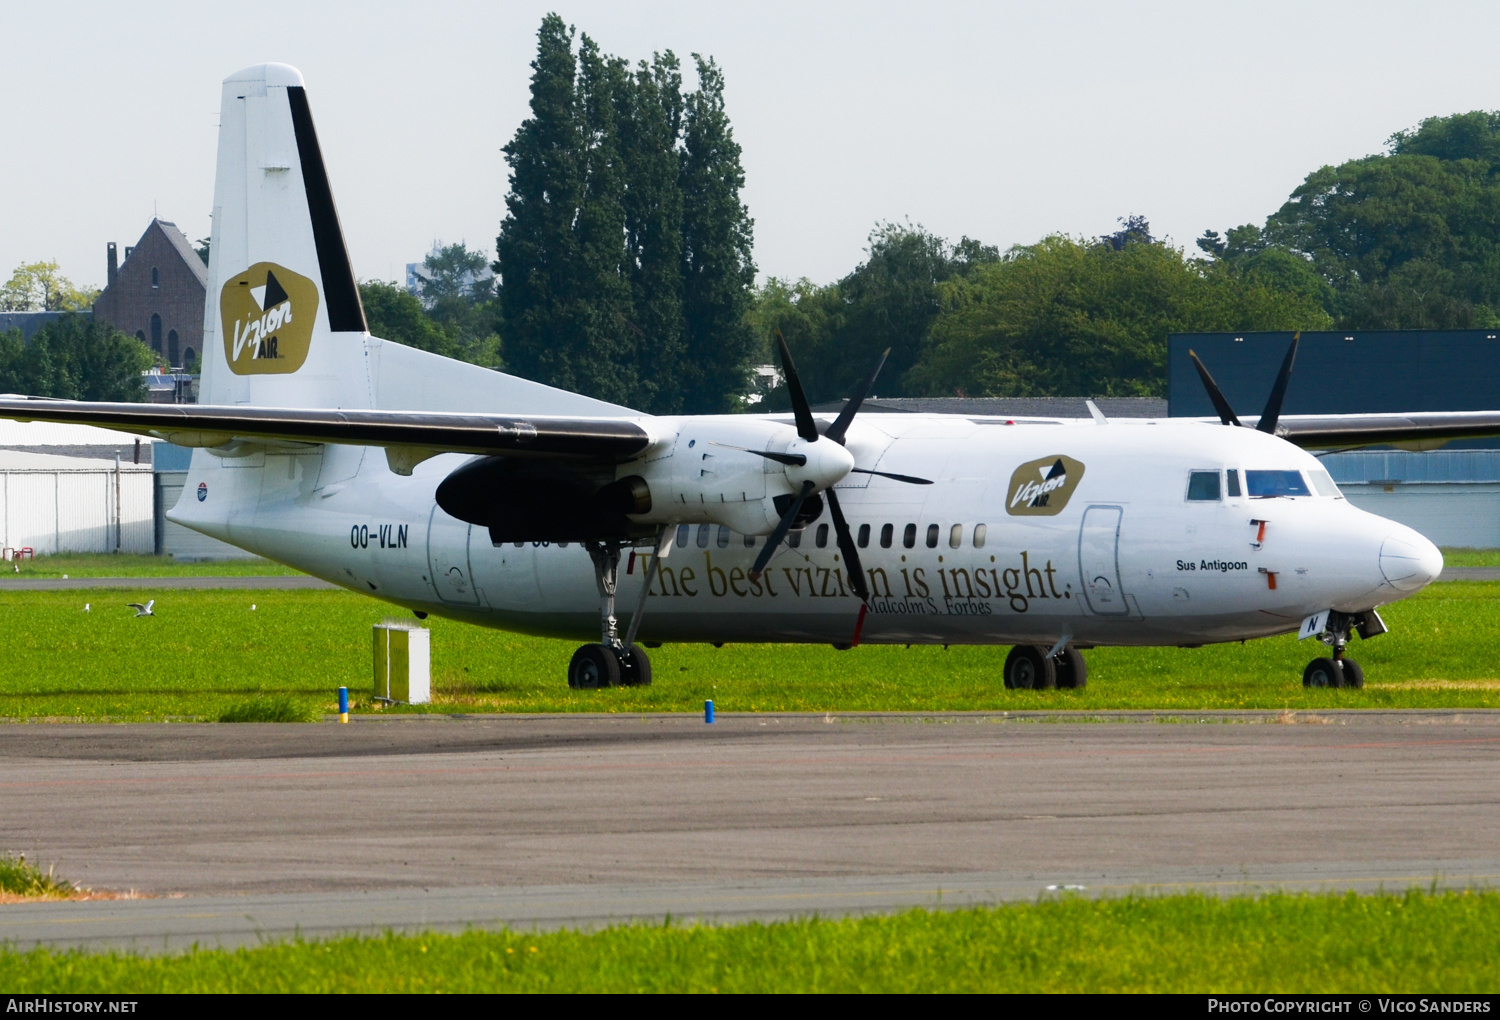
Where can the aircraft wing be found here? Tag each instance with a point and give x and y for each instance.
(614, 439)
(1424, 430)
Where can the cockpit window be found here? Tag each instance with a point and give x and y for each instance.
(1264, 484)
(1234, 481)
(1322, 484)
(1203, 485)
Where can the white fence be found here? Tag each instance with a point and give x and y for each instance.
(91, 507)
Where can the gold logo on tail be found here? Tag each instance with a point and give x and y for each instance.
(267, 314)
(1041, 488)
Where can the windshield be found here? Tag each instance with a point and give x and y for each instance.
(1263, 484)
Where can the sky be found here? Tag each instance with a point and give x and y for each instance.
(1000, 121)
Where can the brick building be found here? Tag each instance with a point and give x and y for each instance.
(157, 293)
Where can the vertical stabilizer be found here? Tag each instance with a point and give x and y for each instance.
(283, 325)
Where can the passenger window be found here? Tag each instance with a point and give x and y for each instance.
(1203, 485)
(683, 530)
(723, 537)
(1266, 484)
(703, 530)
(887, 535)
(909, 539)
(979, 530)
(864, 536)
(956, 536)
(1322, 484)
(794, 539)
(821, 539)
(932, 535)
(1234, 481)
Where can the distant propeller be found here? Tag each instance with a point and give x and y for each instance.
(1226, 413)
(1272, 413)
(807, 431)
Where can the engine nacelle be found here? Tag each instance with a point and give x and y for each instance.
(521, 500)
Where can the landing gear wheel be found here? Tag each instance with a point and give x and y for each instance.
(593, 666)
(635, 667)
(1354, 676)
(1072, 671)
(1027, 668)
(1321, 672)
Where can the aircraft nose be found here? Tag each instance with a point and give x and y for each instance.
(1408, 561)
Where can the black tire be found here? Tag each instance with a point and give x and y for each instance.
(1354, 675)
(1027, 668)
(1321, 672)
(593, 666)
(1072, 671)
(635, 667)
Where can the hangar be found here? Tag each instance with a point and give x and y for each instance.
(1451, 495)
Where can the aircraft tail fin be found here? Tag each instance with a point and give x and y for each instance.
(283, 323)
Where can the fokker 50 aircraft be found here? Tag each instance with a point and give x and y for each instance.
(451, 489)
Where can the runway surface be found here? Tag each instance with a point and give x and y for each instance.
(446, 822)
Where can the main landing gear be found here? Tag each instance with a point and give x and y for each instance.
(1339, 670)
(1028, 667)
(612, 662)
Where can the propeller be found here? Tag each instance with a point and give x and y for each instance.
(807, 431)
(1272, 414)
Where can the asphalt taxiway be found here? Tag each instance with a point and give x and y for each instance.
(237, 833)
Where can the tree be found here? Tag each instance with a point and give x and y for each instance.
(74, 358)
(717, 261)
(1410, 238)
(40, 287)
(453, 275)
(650, 125)
(836, 333)
(624, 256)
(1068, 317)
(394, 314)
(560, 249)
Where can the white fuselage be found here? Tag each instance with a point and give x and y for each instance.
(1128, 559)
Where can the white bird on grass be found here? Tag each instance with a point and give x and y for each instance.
(85, 607)
(141, 610)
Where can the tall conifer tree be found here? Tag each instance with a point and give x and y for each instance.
(718, 267)
(650, 125)
(624, 256)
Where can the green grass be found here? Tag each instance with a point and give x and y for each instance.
(1416, 942)
(107, 565)
(1471, 557)
(208, 651)
(18, 877)
(282, 709)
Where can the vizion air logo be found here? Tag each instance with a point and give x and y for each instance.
(267, 313)
(1041, 488)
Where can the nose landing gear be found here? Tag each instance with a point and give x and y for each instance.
(1339, 670)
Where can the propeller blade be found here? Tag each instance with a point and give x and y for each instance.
(1272, 413)
(909, 479)
(789, 459)
(1226, 413)
(841, 423)
(852, 568)
(806, 427)
(780, 533)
